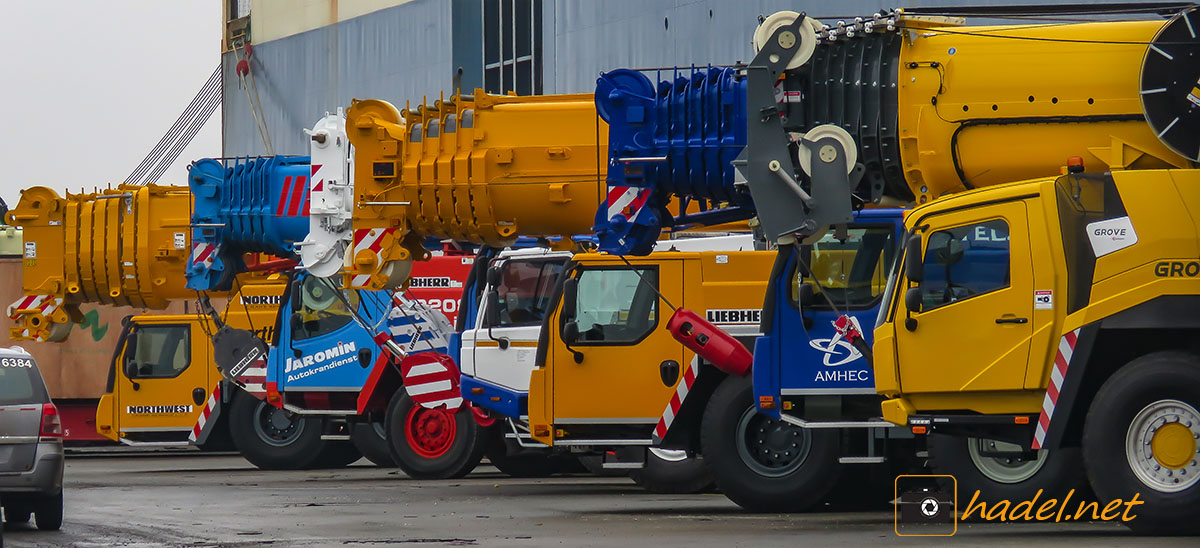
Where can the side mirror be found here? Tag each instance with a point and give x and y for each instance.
(297, 323)
(491, 311)
(295, 293)
(364, 357)
(947, 253)
(570, 333)
(570, 296)
(913, 268)
(912, 299)
(494, 275)
(807, 293)
(131, 369)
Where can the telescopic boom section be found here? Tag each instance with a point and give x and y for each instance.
(908, 108)
(252, 205)
(482, 169)
(124, 247)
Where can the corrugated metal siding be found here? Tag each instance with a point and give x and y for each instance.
(394, 54)
(405, 52)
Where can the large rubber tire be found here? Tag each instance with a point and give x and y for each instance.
(673, 474)
(777, 481)
(1054, 472)
(48, 512)
(20, 514)
(1151, 404)
(273, 439)
(338, 454)
(371, 440)
(433, 443)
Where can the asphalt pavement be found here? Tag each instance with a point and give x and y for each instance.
(187, 500)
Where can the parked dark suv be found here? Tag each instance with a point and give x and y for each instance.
(31, 449)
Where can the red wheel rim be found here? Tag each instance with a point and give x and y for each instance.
(429, 432)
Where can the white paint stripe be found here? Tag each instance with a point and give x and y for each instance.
(450, 403)
(1188, 22)
(1149, 91)
(1056, 377)
(1039, 437)
(1169, 126)
(668, 415)
(1048, 406)
(1163, 53)
(426, 369)
(1065, 349)
(429, 387)
(627, 198)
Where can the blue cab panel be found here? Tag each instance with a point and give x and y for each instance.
(247, 205)
(673, 140)
(801, 353)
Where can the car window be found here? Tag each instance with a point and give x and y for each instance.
(160, 351)
(321, 311)
(851, 268)
(20, 382)
(963, 262)
(616, 305)
(525, 291)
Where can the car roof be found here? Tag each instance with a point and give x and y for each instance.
(14, 352)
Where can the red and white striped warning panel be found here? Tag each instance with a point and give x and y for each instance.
(293, 199)
(431, 380)
(681, 392)
(207, 417)
(46, 304)
(255, 378)
(368, 239)
(1066, 348)
(621, 197)
(204, 254)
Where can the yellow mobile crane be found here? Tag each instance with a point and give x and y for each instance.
(1027, 323)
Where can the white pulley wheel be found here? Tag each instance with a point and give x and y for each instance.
(822, 132)
(807, 35)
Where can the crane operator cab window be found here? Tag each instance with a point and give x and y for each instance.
(525, 290)
(963, 262)
(850, 268)
(158, 351)
(320, 310)
(617, 306)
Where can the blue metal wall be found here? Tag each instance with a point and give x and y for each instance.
(407, 51)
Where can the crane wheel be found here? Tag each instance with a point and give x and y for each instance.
(670, 472)
(271, 438)
(1142, 436)
(982, 476)
(433, 443)
(762, 464)
(371, 440)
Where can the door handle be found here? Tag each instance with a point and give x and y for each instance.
(1012, 320)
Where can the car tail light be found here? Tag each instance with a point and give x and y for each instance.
(51, 424)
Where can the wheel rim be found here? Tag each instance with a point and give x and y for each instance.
(771, 448)
(276, 427)
(1161, 445)
(669, 455)
(379, 429)
(1003, 469)
(430, 432)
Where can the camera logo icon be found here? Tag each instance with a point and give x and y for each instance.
(926, 506)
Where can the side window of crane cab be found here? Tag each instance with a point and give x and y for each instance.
(159, 351)
(321, 311)
(850, 267)
(616, 306)
(965, 261)
(525, 290)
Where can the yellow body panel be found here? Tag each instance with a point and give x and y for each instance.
(170, 403)
(481, 169)
(126, 246)
(621, 383)
(965, 91)
(977, 370)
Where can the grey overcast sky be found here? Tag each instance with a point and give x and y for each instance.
(89, 88)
